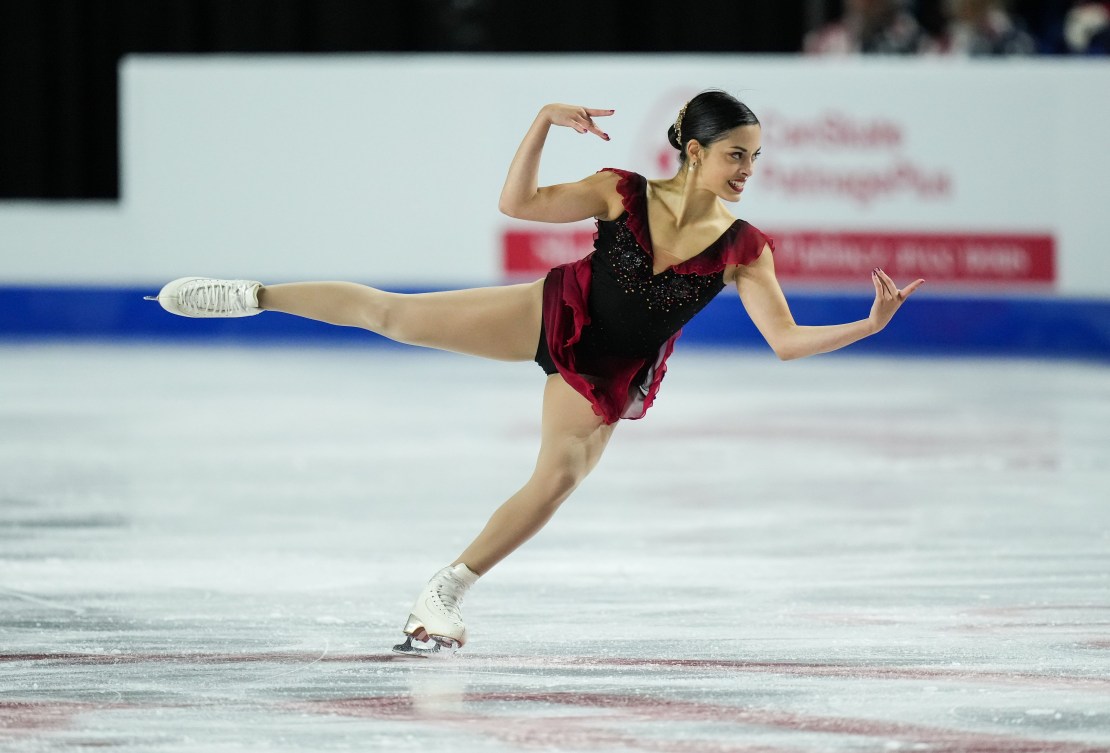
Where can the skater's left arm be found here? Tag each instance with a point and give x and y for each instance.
(523, 198)
(766, 305)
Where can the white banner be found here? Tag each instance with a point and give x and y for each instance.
(977, 175)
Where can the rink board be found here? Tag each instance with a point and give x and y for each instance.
(1035, 327)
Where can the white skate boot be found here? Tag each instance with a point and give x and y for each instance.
(204, 297)
(435, 617)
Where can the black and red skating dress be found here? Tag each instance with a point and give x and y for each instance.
(609, 323)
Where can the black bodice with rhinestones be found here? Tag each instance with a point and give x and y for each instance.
(632, 311)
(609, 325)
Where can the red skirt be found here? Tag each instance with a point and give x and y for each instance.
(617, 387)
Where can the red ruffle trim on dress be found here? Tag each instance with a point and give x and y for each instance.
(566, 293)
(742, 243)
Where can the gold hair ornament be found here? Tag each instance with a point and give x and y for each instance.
(678, 124)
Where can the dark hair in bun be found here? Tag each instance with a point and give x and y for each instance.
(707, 118)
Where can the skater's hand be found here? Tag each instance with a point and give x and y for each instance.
(888, 298)
(580, 119)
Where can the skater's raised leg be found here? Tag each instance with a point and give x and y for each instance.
(573, 438)
(502, 322)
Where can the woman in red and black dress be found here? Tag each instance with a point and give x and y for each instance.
(602, 328)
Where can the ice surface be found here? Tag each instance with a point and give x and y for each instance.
(213, 549)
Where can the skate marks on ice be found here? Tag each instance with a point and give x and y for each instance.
(889, 555)
(645, 695)
(570, 704)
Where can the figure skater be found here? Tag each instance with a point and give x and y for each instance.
(601, 328)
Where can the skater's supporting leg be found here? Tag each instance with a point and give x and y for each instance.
(499, 322)
(572, 440)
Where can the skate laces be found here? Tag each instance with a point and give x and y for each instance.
(216, 296)
(449, 594)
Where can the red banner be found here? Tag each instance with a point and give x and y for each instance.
(988, 259)
(530, 253)
(963, 258)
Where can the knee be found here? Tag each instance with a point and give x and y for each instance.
(403, 318)
(558, 483)
(383, 317)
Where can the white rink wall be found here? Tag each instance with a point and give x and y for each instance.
(388, 168)
(987, 178)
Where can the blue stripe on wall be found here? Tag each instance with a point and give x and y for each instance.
(1036, 327)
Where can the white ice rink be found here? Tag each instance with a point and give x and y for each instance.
(213, 549)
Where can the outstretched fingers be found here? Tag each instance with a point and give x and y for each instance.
(888, 298)
(583, 121)
(586, 119)
(888, 290)
(577, 117)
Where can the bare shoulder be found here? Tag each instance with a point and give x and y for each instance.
(761, 268)
(605, 183)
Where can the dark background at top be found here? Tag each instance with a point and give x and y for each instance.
(58, 58)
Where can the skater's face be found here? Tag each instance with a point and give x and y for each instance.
(725, 166)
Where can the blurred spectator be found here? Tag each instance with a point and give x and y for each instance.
(1087, 28)
(880, 27)
(982, 27)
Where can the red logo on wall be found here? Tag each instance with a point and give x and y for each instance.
(821, 258)
(984, 259)
(530, 253)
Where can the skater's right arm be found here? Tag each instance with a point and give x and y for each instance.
(522, 198)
